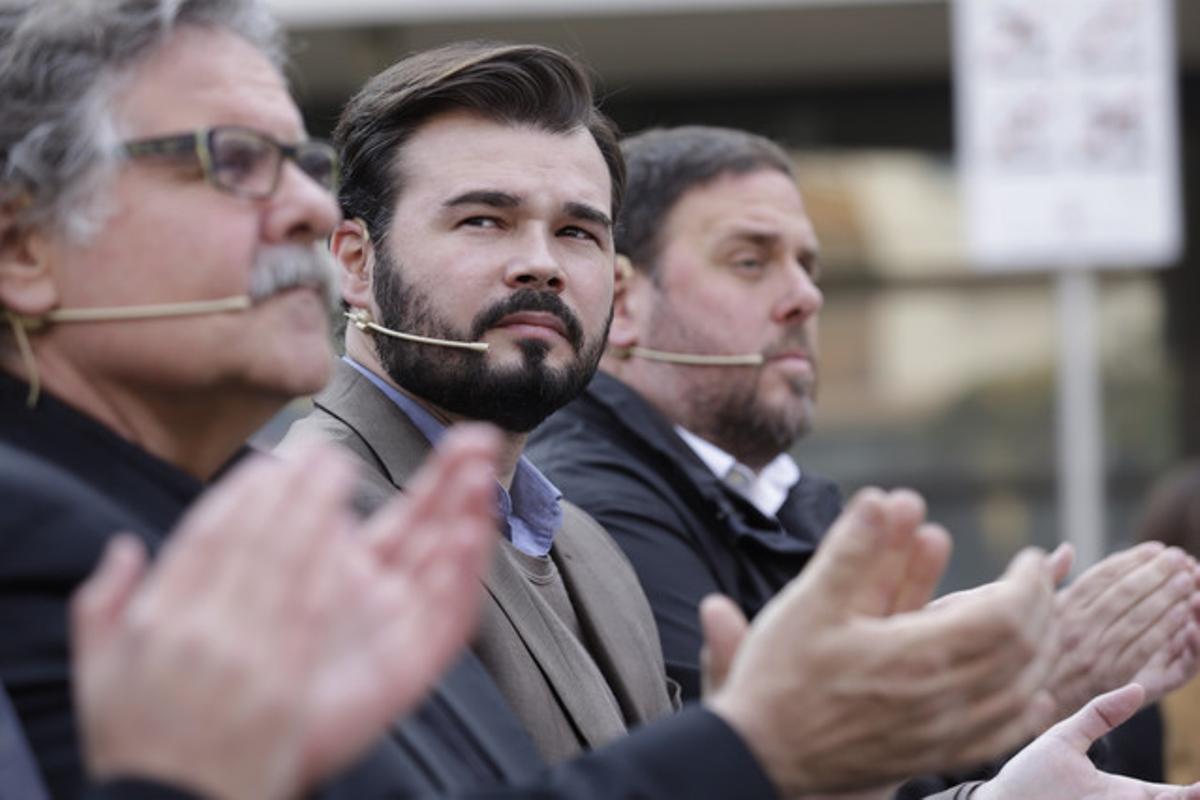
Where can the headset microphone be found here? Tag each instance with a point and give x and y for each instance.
(690, 359)
(22, 324)
(361, 318)
(626, 273)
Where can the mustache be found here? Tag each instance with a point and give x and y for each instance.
(286, 266)
(796, 341)
(530, 300)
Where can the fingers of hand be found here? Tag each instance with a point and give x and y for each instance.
(1167, 568)
(927, 563)
(1060, 562)
(1149, 626)
(1101, 576)
(883, 580)
(267, 570)
(862, 561)
(101, 600)
(455, 485)
(853, 540)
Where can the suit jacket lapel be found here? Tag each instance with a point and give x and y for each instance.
(397, 444)
(623, 649)
(400, 448)
(505, 585)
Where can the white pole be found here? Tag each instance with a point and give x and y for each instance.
(1080, 422)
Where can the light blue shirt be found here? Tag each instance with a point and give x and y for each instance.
(530, 514)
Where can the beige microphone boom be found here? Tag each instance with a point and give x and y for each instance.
(363, 322)
(692, 359)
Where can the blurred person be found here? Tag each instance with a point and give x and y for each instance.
(249, 664)
(162, 285)
(1172, 517)
(139, 348)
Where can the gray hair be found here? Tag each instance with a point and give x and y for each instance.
(61, 63)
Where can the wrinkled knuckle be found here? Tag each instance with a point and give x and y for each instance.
(1071, 639)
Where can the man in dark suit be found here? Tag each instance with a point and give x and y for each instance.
(116, 412)
(680, 445)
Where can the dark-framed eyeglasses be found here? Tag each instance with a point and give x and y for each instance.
(243, 161)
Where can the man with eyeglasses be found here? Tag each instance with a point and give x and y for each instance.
(164, 290)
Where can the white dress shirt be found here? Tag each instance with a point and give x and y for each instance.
(766, 490)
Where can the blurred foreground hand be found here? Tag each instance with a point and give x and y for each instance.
(276, 637)
(847, 680)
(1055, 766)
(1130, 617)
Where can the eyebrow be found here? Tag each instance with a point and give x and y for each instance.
(809, 256)
(498, 199)
(585, 212)
(484, 197)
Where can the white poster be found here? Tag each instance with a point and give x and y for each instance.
(1067, 132)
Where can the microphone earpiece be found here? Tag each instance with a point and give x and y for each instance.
(689, 359)
(361, 319)
(22, 325)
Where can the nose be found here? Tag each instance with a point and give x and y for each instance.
(801, 300)
(301, 211)
(534, 265)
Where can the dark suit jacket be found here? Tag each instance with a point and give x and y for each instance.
(19, 776)
(68, 483)
(686, 532)
(539, 679)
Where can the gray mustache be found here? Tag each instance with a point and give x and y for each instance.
(286, 266)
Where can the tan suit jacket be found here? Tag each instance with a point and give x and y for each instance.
(539, 676)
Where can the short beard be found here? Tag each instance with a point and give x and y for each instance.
(460, 381)
(738, 424)
(721, 404)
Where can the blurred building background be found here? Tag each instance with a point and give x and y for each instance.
(934, 376)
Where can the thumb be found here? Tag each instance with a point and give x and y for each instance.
(1100, 716)
(101, 600)
(724, 627)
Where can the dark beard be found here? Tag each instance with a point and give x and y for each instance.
(460, 381)
(753, 435)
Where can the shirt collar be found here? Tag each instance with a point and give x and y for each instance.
(530, 510)
(767, 490)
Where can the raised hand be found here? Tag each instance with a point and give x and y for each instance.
(1129, 617)
(276, 637)
(845, 682)
(1056, 766)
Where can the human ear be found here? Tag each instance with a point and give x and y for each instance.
(629, 286)
(354, 252)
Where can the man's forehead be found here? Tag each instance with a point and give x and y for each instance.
(460, 152)
(757, 206)
(203, 77)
